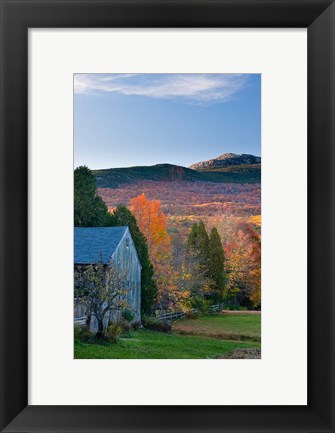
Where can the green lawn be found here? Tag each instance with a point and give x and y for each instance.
(238, 326)
(146, 344)
(158, 345)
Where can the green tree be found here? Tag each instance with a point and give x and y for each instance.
(198, 244)
(206, 252)
(192, 237)
(123, 217)
(216, 265)
(89, 208)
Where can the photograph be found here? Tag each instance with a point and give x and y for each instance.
(167, 215)
(174, 161)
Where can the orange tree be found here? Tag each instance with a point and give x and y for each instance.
(152, 223)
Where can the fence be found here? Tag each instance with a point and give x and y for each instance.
(80, 312)
(80, 320)
(80, 309)
(180, 314)
(81, 316)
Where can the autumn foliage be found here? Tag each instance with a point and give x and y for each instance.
(190, 265)
(242, 249)
(152, 223)
(166, 213)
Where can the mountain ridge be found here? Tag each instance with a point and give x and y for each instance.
(227, 160)
(114, 177)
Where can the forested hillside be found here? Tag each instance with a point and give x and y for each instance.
(115, 177)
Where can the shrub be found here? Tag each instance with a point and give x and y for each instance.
(231, 307)
(113, 332)
(201, 304)
(83, 333)
(124, 325)
(191, 314)
(137, 325)
(128, 315)
(156, 325)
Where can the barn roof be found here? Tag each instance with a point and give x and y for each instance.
(95, 244)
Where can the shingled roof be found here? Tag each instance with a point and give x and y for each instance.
(95, 244)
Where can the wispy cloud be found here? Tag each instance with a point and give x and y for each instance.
(193, 88)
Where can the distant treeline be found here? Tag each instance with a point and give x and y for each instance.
(114, 177)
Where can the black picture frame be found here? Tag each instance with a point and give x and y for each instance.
(19, 15)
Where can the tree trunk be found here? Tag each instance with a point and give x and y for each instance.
(100, 333)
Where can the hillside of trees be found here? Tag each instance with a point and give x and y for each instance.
(115, 177)
(198, 242)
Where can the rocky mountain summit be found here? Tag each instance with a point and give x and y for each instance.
(226, 160)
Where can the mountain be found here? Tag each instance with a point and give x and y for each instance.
(114, 177)
(226, 160)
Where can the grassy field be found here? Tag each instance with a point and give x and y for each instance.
(206, 337)
(245, 327)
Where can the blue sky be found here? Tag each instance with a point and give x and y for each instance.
(122, 120)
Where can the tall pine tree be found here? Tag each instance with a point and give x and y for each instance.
(209, 254)
(89, 208)
(198, 243)
(123, 217)
(203, 243)
(216, 265)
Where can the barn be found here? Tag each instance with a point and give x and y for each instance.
(103, 244)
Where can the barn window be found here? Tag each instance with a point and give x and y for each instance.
(127, 243)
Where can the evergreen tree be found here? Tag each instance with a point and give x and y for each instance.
(208, 252)
(123, 217)
(203, 243)
(192, 238)
(216, 265)
(198, 243)
(89, 208)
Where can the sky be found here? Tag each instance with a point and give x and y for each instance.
(124, 120)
